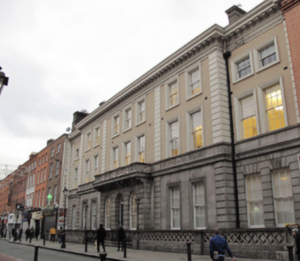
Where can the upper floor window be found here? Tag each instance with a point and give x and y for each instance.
(51, 171)
(58, 148)
(77, 154)
(88, 141)
(172, 93)
(115, 157)
(127, 146)
(199, 205)
(141, 148)
(193, 80)
(57, 167)
(141, 111)
(283, 197)
(52, 152)
(46, 157)
(255, 201)
(116, 125)
(75, 173)
(175, 207)
(87, 170)
(266, 54)
(96, 165)
(248, 117)
(43, 159)
(96, 136)
(242, 67)
(55, 194)
(127, 119)
(174, 138)
(45, 173)
(196, 130)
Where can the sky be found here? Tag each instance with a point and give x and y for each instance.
(63, 56)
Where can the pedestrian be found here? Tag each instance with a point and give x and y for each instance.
(217, 247)
(20, 235)
(31, 234)
(13, 232)
(27, 231)
(52, 234)
(121, 238)
(59, 234)
(101, 233)
(63, 239)
(296, 235)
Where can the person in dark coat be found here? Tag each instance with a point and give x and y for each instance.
(101, 233)
(13, 232)
(20, 234)
(27, 231)
(296, 235)
(37, 233)
(121, 238)
(31, 234)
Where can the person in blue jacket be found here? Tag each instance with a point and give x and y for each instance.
(217, 247)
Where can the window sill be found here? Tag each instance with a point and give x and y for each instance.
(243, 78)
(193, 96)
(171, 107)
(115, 135)
(96, 145)
(140, 123)
(267, 66)
(125, 130)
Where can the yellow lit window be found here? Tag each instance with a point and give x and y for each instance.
(128, 153)
(174, 138)
(197, 139)
(116, 124)
(274, 108)
(141, 152)
(248, 126)
(116, 156)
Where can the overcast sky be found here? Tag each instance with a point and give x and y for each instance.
(62, 56)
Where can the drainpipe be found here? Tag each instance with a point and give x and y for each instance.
(226, 56)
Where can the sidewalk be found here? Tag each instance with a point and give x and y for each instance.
(113, 254)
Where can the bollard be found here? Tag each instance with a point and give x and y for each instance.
(291, 255)
(36, 253)
(102, 256)
(86, 241)
(44, 240)
(189, 251)
(124, 248)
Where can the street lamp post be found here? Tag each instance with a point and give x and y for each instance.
(138, 200)
(63, 244)
(3, 80)
(85, 232)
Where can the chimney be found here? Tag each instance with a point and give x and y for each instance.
(49, 141)
(77, 117)
(32, 155)
(234, 13)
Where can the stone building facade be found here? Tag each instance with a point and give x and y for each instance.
(206, 138)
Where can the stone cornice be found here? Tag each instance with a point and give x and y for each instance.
(74, 134)
(199, 43)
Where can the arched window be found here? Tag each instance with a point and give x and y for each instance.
(133, 211)
(107, 213)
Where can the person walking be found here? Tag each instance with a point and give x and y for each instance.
(27, 231)
(20, 235)
(296, 235)
(101, 233)
(31, 234)
(217, 247)
(121, 238)
(52, 234)
(37, 233)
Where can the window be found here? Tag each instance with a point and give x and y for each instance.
(174, 138)
(84, 215)
(193, 84)
(46, 157)
(51, 170)
(141, 149)
(133, 211)
(127, 153)
(254, 201)
(88, 141)
(116, 125)
(196, 130)
(175, 207)
(73, 216)
(43, 159)
(76, 174)
(39, 199)
(96, 136)
(37, 177)
(115, 157)
(94, 215)
(283, 197)
(87, 170)
(43, 192)
(57, 167)
(241, 67)
(55, 194)
(172, 93)
(266, 54)
(96, 165)
(45, 173)
(141, 111)
(248, 118)
(77, 154)
(52, 152)
(199, 205)
(274, 108)
(127, 119)
(107, 213)
(58, 148)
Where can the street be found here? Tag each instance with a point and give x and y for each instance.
(18, 252)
